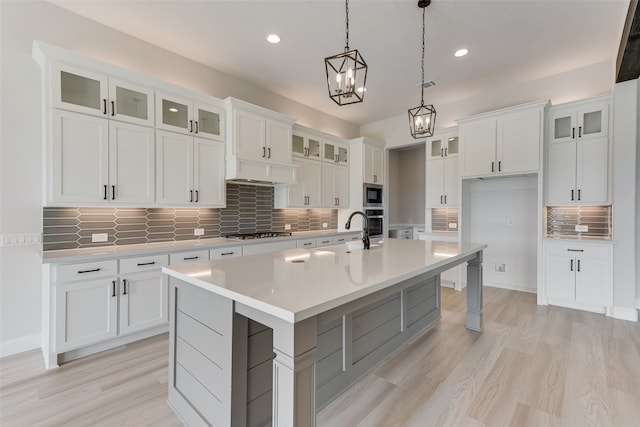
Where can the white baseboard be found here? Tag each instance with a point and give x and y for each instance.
(511, 287)
(18, 345)
(624, 313)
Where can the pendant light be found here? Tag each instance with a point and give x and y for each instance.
(422, 119)
(346, 73)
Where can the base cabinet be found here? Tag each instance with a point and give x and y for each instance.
(143, 301)
(578, 276)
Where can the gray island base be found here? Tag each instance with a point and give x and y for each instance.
(267, 339)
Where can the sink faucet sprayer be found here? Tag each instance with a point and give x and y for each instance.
(365, 228)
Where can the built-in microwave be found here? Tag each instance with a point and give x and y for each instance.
(372, 196)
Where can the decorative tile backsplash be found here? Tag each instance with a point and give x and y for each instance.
(579, 221)
(249, 209)
(442, 218)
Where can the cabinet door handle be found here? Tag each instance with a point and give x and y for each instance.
(442, 152)
(441, 199)
(264, 152)
(140, 264)
(573, 133)
(88, 271)
(113, 108)
(269, 151)
(493, 164)
(113, 192)
(572, 199)
(226, 253)
(375, 178)
(190, 258)
(445, 199)
(197, 127)
(113, 289)
(197, 196)
(578, 266)
(578, 194)
(190, 126)
(104, 106)
(337, 158)
(575, 250)
(571, 267)
(124, 286)
(105, 192)
(500, 166)
(190, 196)
(307, 244)
(579, 136)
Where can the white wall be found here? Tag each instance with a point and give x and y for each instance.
(20, 134)
(407, 185)
(393, 188)
(595, 79)
(637, 173)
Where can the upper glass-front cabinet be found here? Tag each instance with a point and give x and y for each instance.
(335, 153)
(585, 121)
(185, 116)
(86, 92)
(442, 146)
(303, 146)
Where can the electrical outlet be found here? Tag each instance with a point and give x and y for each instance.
(500, 267)
(510, 223)
(582, 228)
(287, 226)
(453, 225)
(99, 237)
(325, 225)
(198, 231)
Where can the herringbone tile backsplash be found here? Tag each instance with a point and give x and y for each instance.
(249, 209)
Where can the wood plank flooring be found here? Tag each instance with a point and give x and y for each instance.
(532, 366)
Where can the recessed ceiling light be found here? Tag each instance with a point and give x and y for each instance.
(461, 52)
(273, 38)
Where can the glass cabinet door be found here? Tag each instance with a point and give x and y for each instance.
(451, 148)
(130, 103)
(173, 114)
(313, 148)
(343, 155)
(208, 123)
(435, 148)
(329, 152)
(562, 126)
(297, 146)
(80, 90)
(593, 121)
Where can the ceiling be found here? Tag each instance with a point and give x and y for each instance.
(510, 42)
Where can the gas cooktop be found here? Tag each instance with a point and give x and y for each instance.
(259, 235)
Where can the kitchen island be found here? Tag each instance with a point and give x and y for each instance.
(330, 314)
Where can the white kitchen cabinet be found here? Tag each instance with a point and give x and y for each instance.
(181, 114)
(227, 252)
(190, 171)
(94, 161)
(442, 171)
(307, 192)
(505, 142)
(306, 243)
(373, 164)
(306, 146)
(143, 294)
(335, 152)
(335, 186)
(579, 120)
(98, 94)
(578, 275)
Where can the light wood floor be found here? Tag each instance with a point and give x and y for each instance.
(532, 366)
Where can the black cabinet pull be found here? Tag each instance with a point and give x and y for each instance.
(190, 196)
(269, 151)
(104, 106)
(190, 258)
(573, 133)
(124, 287)
(445, 199)
(441, 199)
(442, 152)
(578, 266)
(227, 253)
(579, 136)
(493, 164)
(337, 158)
(88, 271)
(105, 192)
(572, 196)
(113, 108)
(446, 151)
(113, 284)
(140, 264)
(307, 244)
(571, 267)
(578, 194)
(197, 196)
(113, 192)
(191, 126)
(500, 166)
(264, 152)
(197, 127)
(575, 250)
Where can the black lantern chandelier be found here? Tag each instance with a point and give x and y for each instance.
(346, 73)
(422, 119)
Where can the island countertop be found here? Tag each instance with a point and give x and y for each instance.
(297, 284)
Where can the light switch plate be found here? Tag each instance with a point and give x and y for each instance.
(99, 237)
(453, 225)
(198, 231)
(582, 228)
(325, 225)
(287, 226)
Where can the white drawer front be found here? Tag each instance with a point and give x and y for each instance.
(191, 256)
(85, 270)
(307, 243)
(338, 240)
(143, 263)
(324, 241)
(578, 250)
(223, 253)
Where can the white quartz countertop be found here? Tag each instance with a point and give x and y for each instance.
(300, 283)
(92, 254)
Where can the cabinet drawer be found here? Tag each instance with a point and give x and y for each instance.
(353, 237)
(143, 263)
(578, 250)
(228, 252)
(307, 243)
(338, 240)
(85, 270)
(324, 241)
(191, 256)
